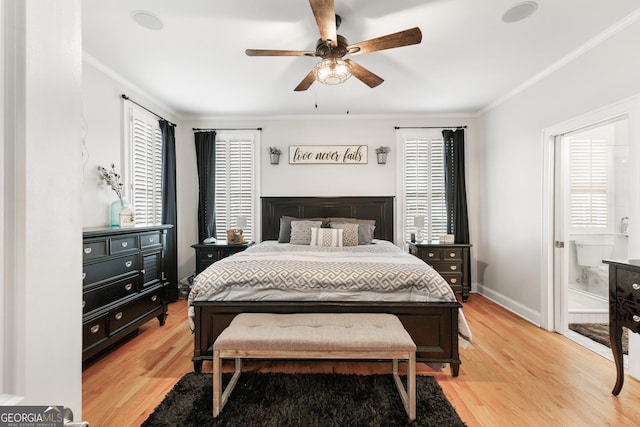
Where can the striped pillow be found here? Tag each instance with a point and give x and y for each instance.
(326, 237)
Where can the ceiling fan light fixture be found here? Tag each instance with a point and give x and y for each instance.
(332, 71)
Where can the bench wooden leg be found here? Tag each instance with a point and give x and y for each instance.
(408, 396)
(220, 398)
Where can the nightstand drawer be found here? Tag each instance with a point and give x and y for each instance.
(446, 267)
(123, 244)
(454, 280)
(210, 256)
(628, 287)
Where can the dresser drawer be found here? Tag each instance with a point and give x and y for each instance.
(148, 240)
(123, 244)
(122, 316)
(94, 249)
(209, 256)
(430, 254)
(110, 268)
(94, 331)
(628, 286)
(107, 294)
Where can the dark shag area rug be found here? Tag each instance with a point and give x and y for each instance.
(302, 400)
(599, 332)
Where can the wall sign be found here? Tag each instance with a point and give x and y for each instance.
(328, 154)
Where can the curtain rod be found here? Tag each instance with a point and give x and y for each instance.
(126, 98)
(212, 129)
(430, 127)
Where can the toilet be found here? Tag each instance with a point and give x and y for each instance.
(591, 250)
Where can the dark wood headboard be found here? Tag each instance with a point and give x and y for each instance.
(378, 208)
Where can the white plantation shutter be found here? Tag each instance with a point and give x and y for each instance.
(146, 170)
(234, 182)
(589, 182)
(424, 190)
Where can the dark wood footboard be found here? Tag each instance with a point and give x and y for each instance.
(433, 326)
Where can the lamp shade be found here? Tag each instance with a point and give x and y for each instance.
(241, 222)
(418, 221)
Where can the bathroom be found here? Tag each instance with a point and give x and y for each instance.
(601, 231)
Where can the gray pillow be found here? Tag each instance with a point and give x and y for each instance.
(284, 235)
(301, 231)
(365, 229)
(349, 232)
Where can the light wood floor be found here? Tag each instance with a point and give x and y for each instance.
(515, 374)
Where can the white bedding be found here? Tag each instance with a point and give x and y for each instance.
(272, 271)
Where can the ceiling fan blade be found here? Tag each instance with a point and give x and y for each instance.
(364, 75)
(390, 41)
(306, 82)
(265, 52)
(325, 14)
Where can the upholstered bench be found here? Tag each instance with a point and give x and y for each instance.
(315, 336)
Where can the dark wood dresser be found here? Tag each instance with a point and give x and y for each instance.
(451, 260)
(624, 309)
(123, 283)
(208, 253)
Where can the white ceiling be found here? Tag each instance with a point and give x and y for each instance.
(468, 58)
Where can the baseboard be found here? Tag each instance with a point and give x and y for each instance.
(513, 306)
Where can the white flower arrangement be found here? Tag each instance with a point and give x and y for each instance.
(112, 178)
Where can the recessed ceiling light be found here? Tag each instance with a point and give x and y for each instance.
(147, 19)
(520, 11)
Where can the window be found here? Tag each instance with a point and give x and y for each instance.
(423, 185)
(234, 182)
(146, 167)
(589, 179)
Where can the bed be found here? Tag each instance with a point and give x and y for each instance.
(434, 322)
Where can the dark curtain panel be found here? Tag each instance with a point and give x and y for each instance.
(455, 187)
(206, 159)
(169, 205)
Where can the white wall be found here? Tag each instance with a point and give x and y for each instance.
(284, 179)
(510, 234)
(42, 280)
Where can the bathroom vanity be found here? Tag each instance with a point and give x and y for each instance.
(624, 309)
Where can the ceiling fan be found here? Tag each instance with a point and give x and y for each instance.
(332, 47)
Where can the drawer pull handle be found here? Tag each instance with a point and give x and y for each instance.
(154, 298)
(452, 254)
(454, 281)
(209, 255)
(95, 329)
(128, 264)
(128, 286)
(84, 275)
(124, 244)
(454, 267)
(635, 286)
(150, 239)
(118, 316)
(84, 303)
(431, 254)
(636, 318)
(87, 251)
(142, 271)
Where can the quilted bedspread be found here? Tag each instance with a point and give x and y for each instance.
(272, 271)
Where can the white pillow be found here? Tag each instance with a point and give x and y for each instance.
(326, 237)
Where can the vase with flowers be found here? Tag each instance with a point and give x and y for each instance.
(112, 179)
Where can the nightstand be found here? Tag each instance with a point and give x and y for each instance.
(451, 260)
(208, 253)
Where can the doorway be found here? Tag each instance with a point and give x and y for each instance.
(591, 224)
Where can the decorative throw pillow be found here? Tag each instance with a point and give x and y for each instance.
(365, 229)
(301, 231)
(326, 237)
(285, 226)
(349, 234)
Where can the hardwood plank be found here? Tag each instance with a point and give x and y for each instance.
(514, 374)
